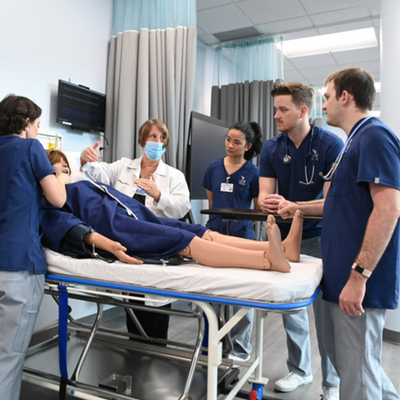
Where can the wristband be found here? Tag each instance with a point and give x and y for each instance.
(367, 273)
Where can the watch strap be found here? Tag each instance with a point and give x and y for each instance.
(367, 273)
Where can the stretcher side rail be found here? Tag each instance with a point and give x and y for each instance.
(269, 306)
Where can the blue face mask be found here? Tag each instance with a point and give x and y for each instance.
(154, 150)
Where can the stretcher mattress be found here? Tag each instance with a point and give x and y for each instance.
(192, 278)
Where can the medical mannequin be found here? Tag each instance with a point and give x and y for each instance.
(167, 237)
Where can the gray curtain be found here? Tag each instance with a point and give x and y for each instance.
(151, 74)
(248, 101)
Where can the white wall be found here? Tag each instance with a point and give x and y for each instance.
(43, 41)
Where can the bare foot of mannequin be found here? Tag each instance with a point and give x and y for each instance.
(291, 245)
(275, 259)
(229, 255)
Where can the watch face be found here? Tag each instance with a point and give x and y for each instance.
(362, 271)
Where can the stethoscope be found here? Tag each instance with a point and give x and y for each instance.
(287, 159)
(330, 173)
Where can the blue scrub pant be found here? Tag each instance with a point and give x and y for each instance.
(354, 345)
(297, 332)
(21, 294)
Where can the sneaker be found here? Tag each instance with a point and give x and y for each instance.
(330, 393)
(292, 381)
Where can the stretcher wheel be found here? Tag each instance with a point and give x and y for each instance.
(257, 392)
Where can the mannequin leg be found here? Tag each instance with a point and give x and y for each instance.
(221, 255)
(290, 246)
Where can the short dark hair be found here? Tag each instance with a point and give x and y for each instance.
(14, 111)
(252, 133)
(302, 94)
(144, 131)
(357, 82)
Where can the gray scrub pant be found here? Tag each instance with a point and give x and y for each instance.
(21, 294)
(354, 345)
(240, 333)
(297, 332)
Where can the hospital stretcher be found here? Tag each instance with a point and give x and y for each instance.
(207, 370)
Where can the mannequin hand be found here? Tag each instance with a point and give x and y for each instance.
(119, 251)
(64, 179)
(352, 295)
(149, 186)
(286, 209)
(89, 154)
(271, 203)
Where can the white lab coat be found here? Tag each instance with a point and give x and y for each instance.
(175, 198)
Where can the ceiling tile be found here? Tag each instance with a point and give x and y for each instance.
(346, 27)
(354, 56)
(340, 16)
(263, 11)
(295, 76)
(300, 34)
(208, 38)
(319, 6)
(321, 60)
(319, 74)
(286, 25)
(203, 4)
(287, 65)
(366, 3)
(221, 19)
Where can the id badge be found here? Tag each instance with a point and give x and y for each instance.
(227, 187)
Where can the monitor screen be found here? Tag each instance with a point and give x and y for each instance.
(80, 108)
(206, 143)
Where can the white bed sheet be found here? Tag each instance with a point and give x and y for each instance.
(234, 283)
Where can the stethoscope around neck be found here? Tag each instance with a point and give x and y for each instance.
(287, 159)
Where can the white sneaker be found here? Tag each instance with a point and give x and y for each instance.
(292, 381)
(331, 393)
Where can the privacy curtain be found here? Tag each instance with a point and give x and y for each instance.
(151, 74)
(248, 101)
(244, 76)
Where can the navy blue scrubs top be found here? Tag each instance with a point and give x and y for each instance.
(245, 188)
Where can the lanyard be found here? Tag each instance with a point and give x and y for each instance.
(330, 173)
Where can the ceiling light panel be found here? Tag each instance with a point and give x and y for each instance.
(334, 42)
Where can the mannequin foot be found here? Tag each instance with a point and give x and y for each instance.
(291, 245)
(275, 260)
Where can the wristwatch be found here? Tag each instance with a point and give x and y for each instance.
(367, 273)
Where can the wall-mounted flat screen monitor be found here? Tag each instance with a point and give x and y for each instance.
(80, 108)
(206, 143)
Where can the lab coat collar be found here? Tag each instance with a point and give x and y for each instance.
(136, 163)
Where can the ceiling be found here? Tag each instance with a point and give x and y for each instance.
(295, 19)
